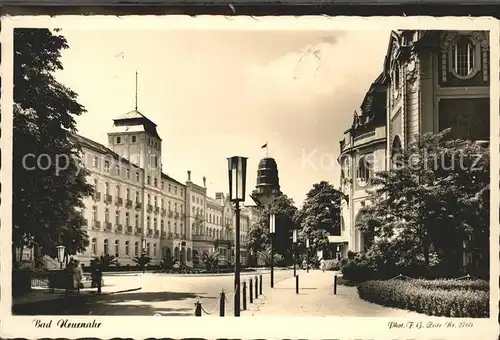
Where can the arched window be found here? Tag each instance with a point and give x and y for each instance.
(395, 151)
(106, 247)
(462, 57)
(94, 246)
(364, 169)
(136, 249)
(117, 248)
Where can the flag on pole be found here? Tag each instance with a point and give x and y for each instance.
(264, 146)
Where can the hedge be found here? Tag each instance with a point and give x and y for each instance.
(415, 295)
(453, 284)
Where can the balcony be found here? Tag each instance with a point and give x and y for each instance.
(129, 229)
(119, 228)
(119, 201)
(177, 215)
(157, 233)
(163, 212)
(203, 238)
(157, 210)
(138, 231)
(97, 196)
(96, 225)
(129, 204)
(170, 213)
(108, 199)
(150, 208)
(107, 226)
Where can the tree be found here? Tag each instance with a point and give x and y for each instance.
(210, 260)
(259, 238)
(265, 255)
(319, 216)
(107, 261)
(47, 201)
(435, 198)
(142, 261)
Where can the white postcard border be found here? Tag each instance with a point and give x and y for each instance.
(243, 327)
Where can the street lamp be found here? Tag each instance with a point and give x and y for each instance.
(307, 254)
(294, 252)
(60, 254)
(272, 230)
(237, 170)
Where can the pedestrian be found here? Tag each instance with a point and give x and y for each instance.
(304, 264)
(77, 275)
(97, 275)
(69, 277)
(322, 265)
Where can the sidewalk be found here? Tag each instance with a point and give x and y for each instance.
(316, 298)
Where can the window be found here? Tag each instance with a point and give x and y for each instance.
(193, 199)
(162, 203)
(94, 213)
(148, 249)
(118, 170)
(162, 185)
(155, 182)
(106, 166)
(126, 248)
(169, 188)
(137, 196)
(117, 217)
(175, 206)
(182, 192)
(128, 194)
(148, 180)
(197, 200)
(169, 227)
(137, 176)
(118, 140)
(106, 215)
(96, 184)
(105, 247)
(117, 248)
(94, 246)
(118, 193)
(137, 220)
(156, 201)
(162, 225)
(364, 169)
(107, 188)
(96, 162)
(175, 190)
(127, 219)
(148, 222)
(175, 227)
(155, 223)
(154, 249)
(134, 139)
(149, 199)
(462, 57)
(127, 172)
(169, 206)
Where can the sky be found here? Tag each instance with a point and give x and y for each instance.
(216, 94)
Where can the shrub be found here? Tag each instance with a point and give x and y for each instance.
(431, 297)
(332, 265)
(453, 284)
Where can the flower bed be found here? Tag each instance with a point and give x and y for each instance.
(451, 298)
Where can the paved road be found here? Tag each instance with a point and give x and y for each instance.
(166, 294)
(316, 298)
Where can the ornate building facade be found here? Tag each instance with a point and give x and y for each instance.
(431, 81)
(138, 208)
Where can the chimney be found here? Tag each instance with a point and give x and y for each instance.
(189, 175)
(204, 182)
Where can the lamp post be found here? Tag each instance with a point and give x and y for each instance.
(294, 252)
(307, 255)
(60, 254)
(237, 170)
(272, 230)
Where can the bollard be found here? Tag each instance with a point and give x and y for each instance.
(256, 287)
(244, 295)
(197, 307)
(334, 284)
(251, 291)
(260, 285)
(222, 302)
(297, 284)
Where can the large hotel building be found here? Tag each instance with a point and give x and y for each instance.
(431, 81)
(137, 208)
